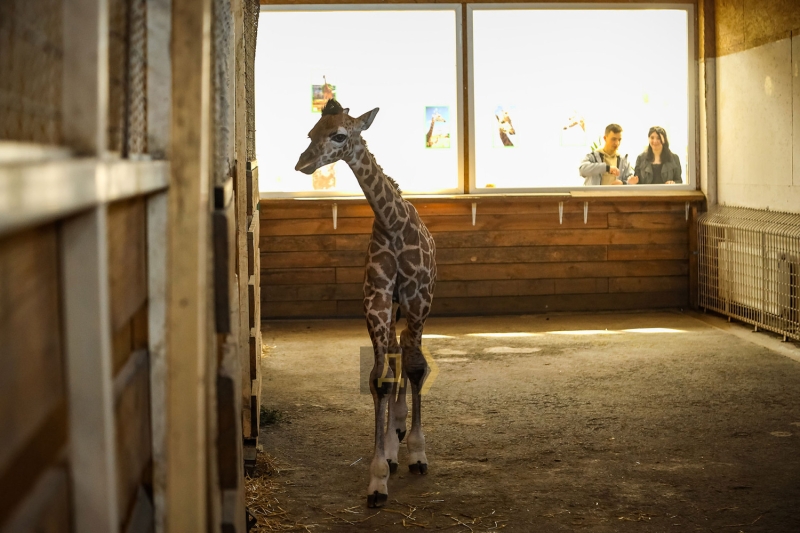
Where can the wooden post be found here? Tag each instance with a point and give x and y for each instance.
(84, 256)
(85, 91)
(187, 294)
(240, 144)
(87, 333)
(156, 315)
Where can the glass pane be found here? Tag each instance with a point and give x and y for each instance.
(547, 82)
(402, 61)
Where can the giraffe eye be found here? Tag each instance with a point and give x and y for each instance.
(339, 137)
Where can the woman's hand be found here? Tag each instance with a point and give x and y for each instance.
(667, 182)
(633, 180)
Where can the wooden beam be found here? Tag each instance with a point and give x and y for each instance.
(188, 269)
(35, 192)
(243, 200)
(156, 315)
(85, 90)
(87, 334)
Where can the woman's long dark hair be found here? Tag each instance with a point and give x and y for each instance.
(666, 154)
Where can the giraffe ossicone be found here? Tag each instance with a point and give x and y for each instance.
(400, 272)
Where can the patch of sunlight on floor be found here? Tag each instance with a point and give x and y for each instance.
(654, 330)
(434, 336)
(505, 335)
(585, 332)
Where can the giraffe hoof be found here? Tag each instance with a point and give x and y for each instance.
(376, 499)
(392, 466)
(400, 434)
(418, 468)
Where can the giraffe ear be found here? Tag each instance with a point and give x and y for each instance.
(365, 120)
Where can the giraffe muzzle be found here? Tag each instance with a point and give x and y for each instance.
(305, 164)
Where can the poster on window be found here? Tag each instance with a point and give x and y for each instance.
(437, 124)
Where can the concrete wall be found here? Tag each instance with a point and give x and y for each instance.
(758, 103)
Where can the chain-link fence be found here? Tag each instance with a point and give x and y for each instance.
(127, 64)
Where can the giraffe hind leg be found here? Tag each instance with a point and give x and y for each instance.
(415, 368)
(397, 408)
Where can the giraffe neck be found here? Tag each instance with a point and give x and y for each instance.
(382, 194)
(430, 131)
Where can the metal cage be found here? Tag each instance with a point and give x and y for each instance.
(749, 267)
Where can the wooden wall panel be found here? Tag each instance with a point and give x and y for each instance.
(132, 413)
(46, 507)
(33, 398)
(517, 258)
(127, 259)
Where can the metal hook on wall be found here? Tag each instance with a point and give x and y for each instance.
(560, 212)
(687, 210)
(335, 214)
(474, 211)
(585, 212)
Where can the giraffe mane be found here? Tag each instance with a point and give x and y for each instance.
(391, 180)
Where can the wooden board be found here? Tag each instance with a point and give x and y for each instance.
(132, 415)
(31, 365)
(295, 275)
(555, 303)
(46, 508)
(127, 259)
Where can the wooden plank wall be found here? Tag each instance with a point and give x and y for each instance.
(127, 269)
(33, 402)
(632, 253)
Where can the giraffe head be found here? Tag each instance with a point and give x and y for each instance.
(504, 122)
(436, 117)
(333, 137)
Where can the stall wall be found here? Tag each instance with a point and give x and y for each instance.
(758, 103)
(517, 257)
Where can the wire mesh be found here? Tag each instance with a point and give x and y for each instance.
(749, 267)
(127, 67)
(31, 69)
(136, 83)
(222, 31)
(251, 14)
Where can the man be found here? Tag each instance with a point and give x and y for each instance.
(605, 166)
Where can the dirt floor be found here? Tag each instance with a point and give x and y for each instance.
(547, 423)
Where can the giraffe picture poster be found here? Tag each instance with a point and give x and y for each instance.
(437, 127)
(506, 135)
(320, 94)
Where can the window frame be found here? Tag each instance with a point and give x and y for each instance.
(690, 183)
(457, 10)
(465, 95)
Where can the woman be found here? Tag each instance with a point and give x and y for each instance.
(658, 164)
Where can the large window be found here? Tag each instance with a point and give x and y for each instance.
(542, 83)
(559, 77)
(406, 62)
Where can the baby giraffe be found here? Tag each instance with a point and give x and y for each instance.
(400, 271)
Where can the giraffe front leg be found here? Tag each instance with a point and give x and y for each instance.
(415, 367)
(398, 410)
(396, 428)
(380, 384)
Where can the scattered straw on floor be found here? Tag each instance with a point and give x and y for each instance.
(262, 493)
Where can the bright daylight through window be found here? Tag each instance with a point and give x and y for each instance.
(546, 83)
(543, 84)
(402, 61)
